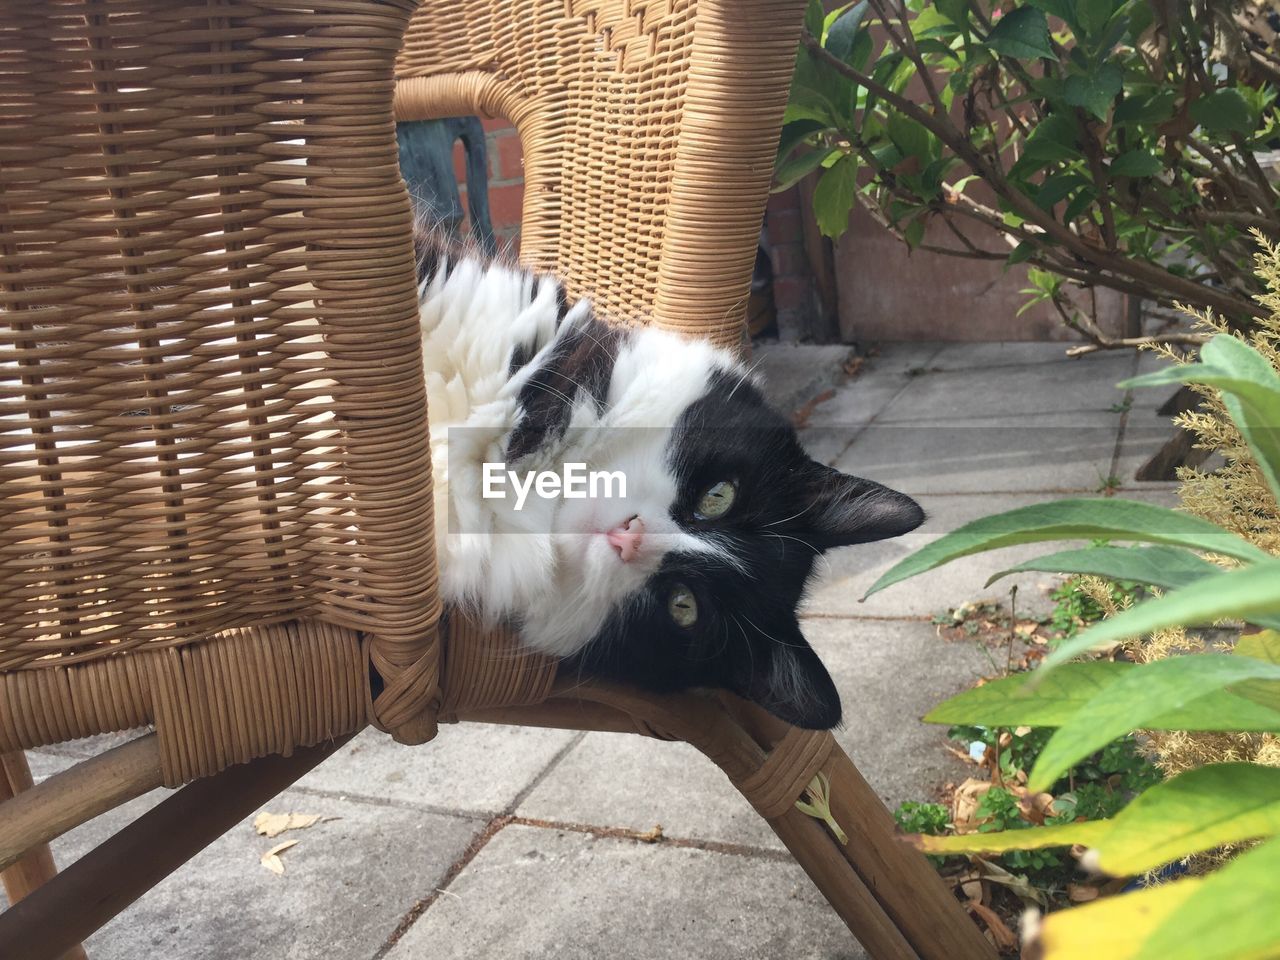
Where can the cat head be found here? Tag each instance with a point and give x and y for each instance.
(706, 561)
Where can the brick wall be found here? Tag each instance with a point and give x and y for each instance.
(794, 296)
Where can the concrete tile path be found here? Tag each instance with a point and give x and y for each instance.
(504, 843)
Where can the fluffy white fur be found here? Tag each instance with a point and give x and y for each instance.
(548, 567)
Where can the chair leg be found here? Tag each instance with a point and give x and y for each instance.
(102, 883)
(36, 867)
(906, 886)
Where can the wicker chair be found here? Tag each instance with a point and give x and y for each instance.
(215, 472)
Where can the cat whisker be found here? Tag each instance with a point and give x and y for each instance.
(807, 507)
(746, 374)
(781, 643)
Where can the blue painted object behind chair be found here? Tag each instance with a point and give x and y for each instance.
(426, 163)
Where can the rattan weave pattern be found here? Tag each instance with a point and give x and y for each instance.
(649, 129)
(214, 477)
(212, 415)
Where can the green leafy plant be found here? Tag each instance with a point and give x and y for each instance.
(930, 818)
(1102, 143)
(1075, 607)
(1090, 703)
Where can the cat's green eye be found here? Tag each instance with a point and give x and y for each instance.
(716, 501)
(682, 606)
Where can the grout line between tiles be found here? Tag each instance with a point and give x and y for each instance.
(872, 419)
(545, 772)
(478, 843)
(1124, 423)
(726, 848)
(492, 827)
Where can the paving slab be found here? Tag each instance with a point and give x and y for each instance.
(795, 373)
(476, 769)
(981, 391)
(534, 893)
(1006, 353)
(1048, 451)
(623, 780)
(1146, 429)
(906, 356)
(890, 674)
(347, 884)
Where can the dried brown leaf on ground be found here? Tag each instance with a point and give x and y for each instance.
(1005, 939)
(800, 417)
(273, 824)
(1081, 892)
(1019, 884)
(964, 804)
(271, 859)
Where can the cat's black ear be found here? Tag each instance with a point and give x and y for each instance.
(789, 680)
(844, 509)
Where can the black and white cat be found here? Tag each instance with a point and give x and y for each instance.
(692, 579)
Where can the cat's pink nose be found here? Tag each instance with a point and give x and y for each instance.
(626, 537)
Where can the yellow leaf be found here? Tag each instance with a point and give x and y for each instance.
(1113, 927)
(274, 824)
(271, 859)
(1087, 832)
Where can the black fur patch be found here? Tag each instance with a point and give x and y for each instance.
(580, 364)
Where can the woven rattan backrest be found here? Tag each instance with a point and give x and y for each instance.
(212, 412)
(649, 129)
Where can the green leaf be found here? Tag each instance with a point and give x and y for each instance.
(1111, 519)
(1264, 645)
(1197, 811)
(1055, 188)
(814, 16)
(913, 233)
(1021, 253)
(910, 137)
(1156, 108)
(798, 167)
(844, 31)
(1136, 163)
(835, 194)
(1223, 111)
(794, 134)
(1250, 390)
(1079, 203)
(1093, 15)
(1230, 915)
(1064, 10)
(1248, 593)
(1136, 697)
(957, 11)
(1054, 698)
(1086, 832)
(1022, 33)
(1053, 139)
(1159, 566)
(1203, 808)
(1094, 91)
(1260, 646)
